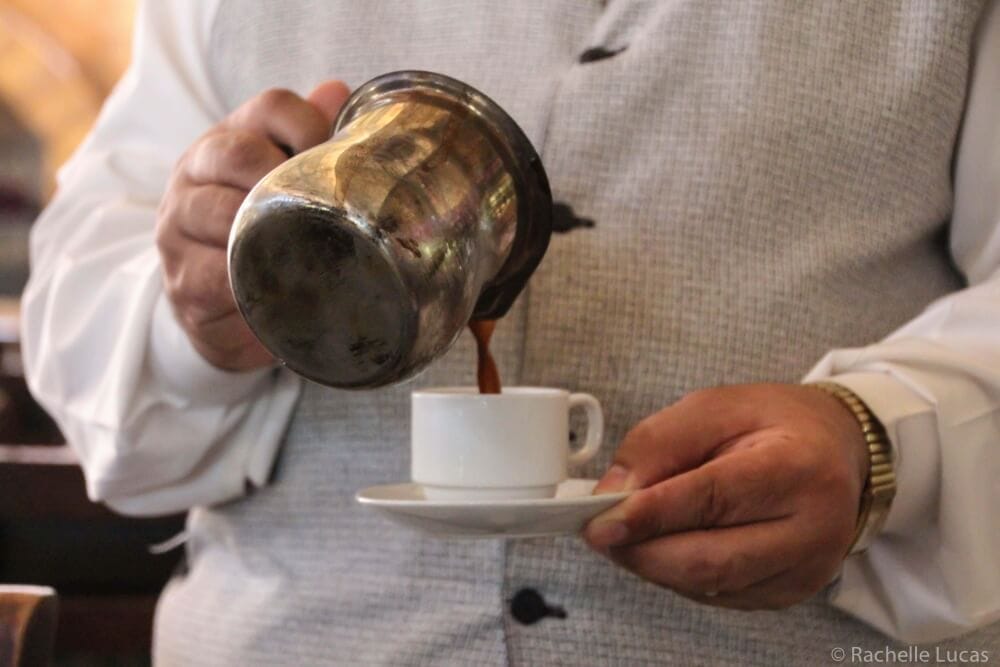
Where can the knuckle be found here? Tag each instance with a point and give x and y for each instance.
(633, 453)
(173, 295)
(190, 154)
(185, 293)
(274, 99)
(657, 519)
(204, 151)
(641, 432)
(167, 213)
(639, 437)
(189, 319)
(167, 247)
(798, 462)
(243, 149)
(694, 399)
(705, 398)
(755, 472)
(640, 514)
(168, 269)
(708, 570)
(758, 483)
(227, 204)
(162, 233)
(200, 292)
(714, 504)
(216, 207)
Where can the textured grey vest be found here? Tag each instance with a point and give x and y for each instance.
(769, 179)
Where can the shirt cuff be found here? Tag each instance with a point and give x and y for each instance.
(909, 421)
(181, 370)
(227, 472)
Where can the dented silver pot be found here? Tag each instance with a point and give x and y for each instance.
(358, 262)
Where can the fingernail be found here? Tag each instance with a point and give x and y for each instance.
(607, 533)
(616, 479)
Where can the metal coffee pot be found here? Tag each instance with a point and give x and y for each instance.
(360, 261)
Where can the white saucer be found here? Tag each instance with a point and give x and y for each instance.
(565, 514)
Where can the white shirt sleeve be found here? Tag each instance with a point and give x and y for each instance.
(934, 571)
(156, 428)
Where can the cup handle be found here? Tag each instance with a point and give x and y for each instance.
(595, 428)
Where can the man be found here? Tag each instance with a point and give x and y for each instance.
(771, 183)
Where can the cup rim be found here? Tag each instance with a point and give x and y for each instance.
(473, 392)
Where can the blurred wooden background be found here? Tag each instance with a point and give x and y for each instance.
(59, 59)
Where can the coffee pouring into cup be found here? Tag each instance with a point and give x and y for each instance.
(358, 262)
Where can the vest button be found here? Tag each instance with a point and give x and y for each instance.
(528, 607)
(592, 55)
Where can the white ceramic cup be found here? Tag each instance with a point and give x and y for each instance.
(472, 446)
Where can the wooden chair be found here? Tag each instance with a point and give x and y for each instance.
(27, 625)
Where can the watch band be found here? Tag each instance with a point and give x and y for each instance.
(880, 486)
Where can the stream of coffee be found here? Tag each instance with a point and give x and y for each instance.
(486, 368)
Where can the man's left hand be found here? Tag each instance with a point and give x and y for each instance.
(745, 496)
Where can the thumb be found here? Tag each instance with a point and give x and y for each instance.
(328, 97)
(679, 438)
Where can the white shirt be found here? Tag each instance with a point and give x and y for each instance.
(157, 429)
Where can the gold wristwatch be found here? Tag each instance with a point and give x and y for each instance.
(880, 487)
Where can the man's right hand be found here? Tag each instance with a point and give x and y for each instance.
(208, 184)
